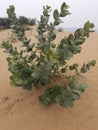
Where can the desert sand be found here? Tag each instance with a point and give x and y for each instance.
(21, 110)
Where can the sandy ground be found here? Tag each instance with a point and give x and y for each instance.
(21, 110)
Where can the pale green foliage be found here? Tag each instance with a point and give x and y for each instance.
(38, 62)
(64, 96)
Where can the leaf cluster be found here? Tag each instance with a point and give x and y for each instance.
(63, 95)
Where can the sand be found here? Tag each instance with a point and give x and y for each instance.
(21, 110)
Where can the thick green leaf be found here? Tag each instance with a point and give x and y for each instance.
(64, 101)
(64, 13)
(56, 55)
(18, 81)
(28, 86)
(63, 70)
(92, 25)
(73, 83)
(86, 25)
(26, 42)
(75, 49)
(74, 66)
(69, 102)
(75, 96)
(51, 36)
(44, 100)
(93, 62)
(56, 14)
(64, 6)
(79, 41)
(61, 100)
(71, 39)
(82, 86)
(68, 89)
(20, 61)
(57, 22)
(83, 68)
(68, 55)
(53, 45)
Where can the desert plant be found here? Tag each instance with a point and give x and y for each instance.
(23, 20)
(26, 21)
(5, 22)
(39, 63)
(31, 22)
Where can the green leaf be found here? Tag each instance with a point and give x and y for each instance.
(56, 88)
(46, 97)
(87, 25)
(79, 41)
(64, 101)
(92, 25)
(53, 45)
(57, 22)
(63, 70)
(60, 99)
(77, 91)
(88, 65)
(64, 92)
(11, 10)
(93, 62)
(71, 39)
(73, 83)
(74, 66)
(83, 68)
(68, 89)
(27, 86)
(64, 13)
(48, 7)
(44, 100)
(18, 81)
(75, 96)
(26, 42)
(45, 21)
(56, 55)
(27, 70)
(20, 61)
(64, 6)
(51, 36)
(69, 102)
(56, 14)
(68, 55)
(82, 86)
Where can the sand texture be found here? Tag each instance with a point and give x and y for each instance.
(21, 110)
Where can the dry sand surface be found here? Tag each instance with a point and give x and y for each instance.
(21, 110)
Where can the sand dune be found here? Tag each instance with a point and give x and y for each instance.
(21, 110)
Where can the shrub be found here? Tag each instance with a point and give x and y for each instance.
(27, 21)
(23, 20)
(5, 22)
(31, 22)
(39, 63)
